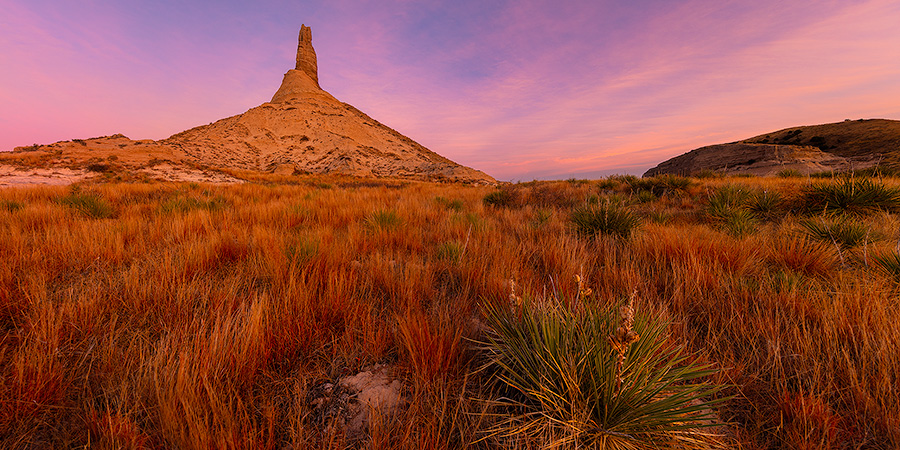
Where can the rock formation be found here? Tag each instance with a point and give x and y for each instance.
(306, 54)
(841, 146)
(303, 129)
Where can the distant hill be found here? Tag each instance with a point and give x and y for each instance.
(303, 129)
(841, 146)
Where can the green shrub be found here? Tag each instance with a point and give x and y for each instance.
(728, 207)
(541, 217)
(846, 233)
(660, 184)
(448, 251)
(645, 197)
(455, 204)
(89, 205)
(301, 251)
(858, 196)
(740, 222)
(707, 173)
(99, 167)
(504, 197)
(788, 173)
(725, 199)
(383, 219)
(594, 379)
(766, 205)
(607, 218)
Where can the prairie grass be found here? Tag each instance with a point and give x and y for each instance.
(607, 219)
(209, 322)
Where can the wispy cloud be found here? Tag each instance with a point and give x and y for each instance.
(520, 89)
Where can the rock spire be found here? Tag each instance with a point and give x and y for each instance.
(306, 55)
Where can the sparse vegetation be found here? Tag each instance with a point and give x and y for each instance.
(87, 204)
(211, 316)
(789, 173)
(607, 218)
(729, 206)
(849, 195)
(844, 232)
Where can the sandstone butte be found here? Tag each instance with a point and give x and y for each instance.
(838, 147)
(303, 129)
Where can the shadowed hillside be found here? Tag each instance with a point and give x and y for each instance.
(839, 147)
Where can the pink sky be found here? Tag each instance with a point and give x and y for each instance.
(519, 89)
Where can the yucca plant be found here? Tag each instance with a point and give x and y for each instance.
(766, 205)
(504, 197)
(727, 206)
(889, 263)
(857, 196)
(595, 379)
(844, 232)
(607, 218)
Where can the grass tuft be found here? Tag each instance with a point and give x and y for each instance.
(90, 205)
(383, 219)
(607, 218)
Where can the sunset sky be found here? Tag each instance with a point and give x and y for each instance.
(521, 89)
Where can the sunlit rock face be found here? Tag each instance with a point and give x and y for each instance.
(307, 128)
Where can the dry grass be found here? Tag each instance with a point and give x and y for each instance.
(200, 316)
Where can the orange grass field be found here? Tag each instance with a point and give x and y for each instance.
(142, 315)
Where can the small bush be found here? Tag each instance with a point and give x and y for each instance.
(594, 379)
(448, 251)
(455, 204)
(788, 173)
(844, 232)
(89, 205)
(645, 197)
(660, 184)
(707, 173)
(301, 252)
(504, 198)
(607, 218)
(98, 167)
(383, 219)
(541, 217)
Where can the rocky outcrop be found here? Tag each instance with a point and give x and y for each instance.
(308, 128)
(306, 55)
(839, 147)
(757, 159)
(303, 129)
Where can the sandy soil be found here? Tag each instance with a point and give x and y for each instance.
(13, 176)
